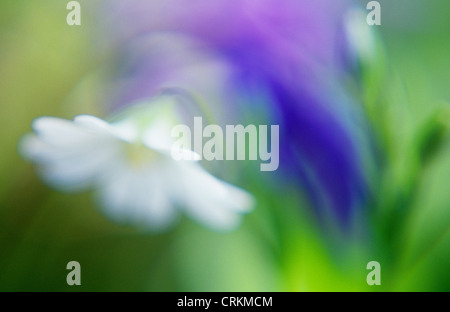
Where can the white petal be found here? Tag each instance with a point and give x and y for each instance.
(33, 148)
(82, 167)
(61, 132)
(152, 199)
(158, 135)
(139, 197)
(183, 154)
(215, 203)
(126, 130)
(114, 193)
(93, 123)
(71, 156)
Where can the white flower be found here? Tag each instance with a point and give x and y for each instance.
(132, 170)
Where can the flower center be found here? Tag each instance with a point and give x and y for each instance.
(138, 154)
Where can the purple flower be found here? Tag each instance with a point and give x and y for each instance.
(282, 58)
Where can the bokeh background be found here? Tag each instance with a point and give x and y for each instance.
(49, 68)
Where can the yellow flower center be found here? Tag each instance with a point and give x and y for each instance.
(138, 154)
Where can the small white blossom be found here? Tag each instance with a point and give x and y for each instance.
(132, 170)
